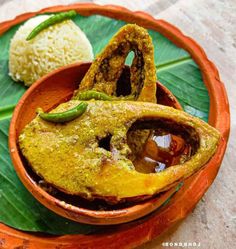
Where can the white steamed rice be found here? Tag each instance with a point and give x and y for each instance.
(61, 44)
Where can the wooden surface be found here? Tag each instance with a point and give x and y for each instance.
(212, 24)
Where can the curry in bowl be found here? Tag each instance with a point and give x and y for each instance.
(105, 142)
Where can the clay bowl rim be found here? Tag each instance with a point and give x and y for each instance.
(81, 214)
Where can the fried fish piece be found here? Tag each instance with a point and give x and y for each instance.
(106, 69)
(73, 158)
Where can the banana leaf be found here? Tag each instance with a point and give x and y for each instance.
(175, 69)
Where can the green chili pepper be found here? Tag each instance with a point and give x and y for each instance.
(91, 94)
(63, 116)
(51, 21)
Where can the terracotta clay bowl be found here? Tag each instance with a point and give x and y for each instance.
(48, 92)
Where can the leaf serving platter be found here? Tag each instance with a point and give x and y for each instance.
(182, 66)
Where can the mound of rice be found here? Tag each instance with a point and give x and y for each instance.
(61, 44)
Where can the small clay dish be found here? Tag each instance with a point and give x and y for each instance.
(48, 92)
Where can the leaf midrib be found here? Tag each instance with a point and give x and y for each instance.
(173, 63)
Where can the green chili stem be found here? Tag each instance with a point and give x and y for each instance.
(64, 116)
(59, 17)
